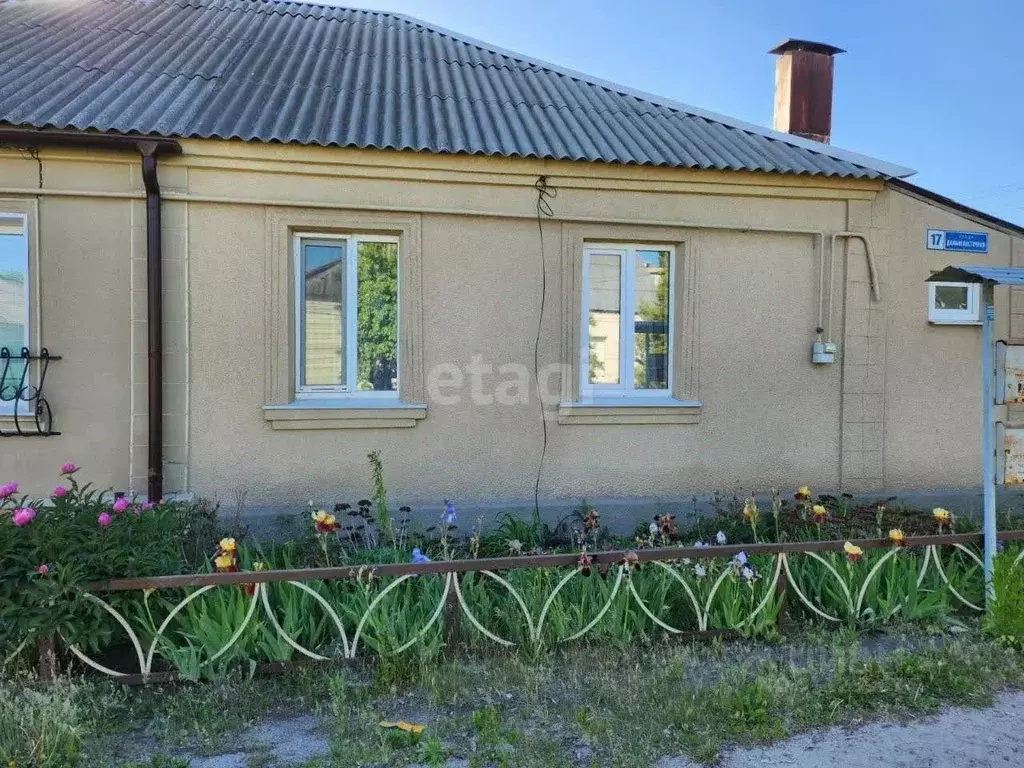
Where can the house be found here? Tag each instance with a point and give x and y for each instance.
(267, 238)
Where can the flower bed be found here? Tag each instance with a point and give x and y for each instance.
(51, 548)
(92, 570)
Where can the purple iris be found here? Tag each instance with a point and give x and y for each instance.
(448, 516)
(418, 556)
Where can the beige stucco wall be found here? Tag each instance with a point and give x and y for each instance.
(768, 416)
(90, 389)
(932, 372)
(88, 281)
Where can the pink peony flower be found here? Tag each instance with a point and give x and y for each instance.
(59, 492)
(44, 569)
(104, 519)
(22, 516)
(7, 490)
(68, 468)
(121, 504)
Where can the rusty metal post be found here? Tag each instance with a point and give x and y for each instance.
(46, 663)
(451, 618)
(781, 590)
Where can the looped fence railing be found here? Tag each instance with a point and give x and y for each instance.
(790, 577)
(24, 409)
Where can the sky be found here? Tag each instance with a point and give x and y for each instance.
(934, 86)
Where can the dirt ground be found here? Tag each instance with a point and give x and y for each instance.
(965, 738)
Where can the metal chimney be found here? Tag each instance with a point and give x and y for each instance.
(803, 88)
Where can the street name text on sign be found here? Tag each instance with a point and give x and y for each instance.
(951, 240)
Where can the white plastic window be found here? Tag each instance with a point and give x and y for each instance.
(346, 316)
(626, 335)
(953, 303)
(14, 304)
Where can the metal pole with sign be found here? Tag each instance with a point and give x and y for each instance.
(988, 461)
(986, 278)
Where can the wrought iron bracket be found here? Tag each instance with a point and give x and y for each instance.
(30, 412)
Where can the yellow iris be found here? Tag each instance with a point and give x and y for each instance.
(819, 513)
(322, 517)
(228, 545)
(750, 510)
(853, 551)
(803, 492)
(223, 562)
(942, 515)
(896, 536)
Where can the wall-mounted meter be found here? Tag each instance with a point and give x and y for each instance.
(823, 352)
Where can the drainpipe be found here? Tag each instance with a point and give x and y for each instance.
(150, 149)
(154, 322)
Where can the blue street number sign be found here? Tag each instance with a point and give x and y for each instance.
(949, 240)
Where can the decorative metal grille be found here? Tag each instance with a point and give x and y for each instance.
(24, 409)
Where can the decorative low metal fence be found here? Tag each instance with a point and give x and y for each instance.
(529, 601)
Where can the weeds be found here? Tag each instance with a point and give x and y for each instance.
(380, 496)
(1005, 618)
(590, 705)
(40, 726)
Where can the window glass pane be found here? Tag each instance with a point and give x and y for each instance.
(651, 320)
(604, 309)
(323, 314)
(377, 324)
(951, 296)
(13, 301)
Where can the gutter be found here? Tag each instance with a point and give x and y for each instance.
(975, 215)
(150, 148)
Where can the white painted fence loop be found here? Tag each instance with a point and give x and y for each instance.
(680, 578)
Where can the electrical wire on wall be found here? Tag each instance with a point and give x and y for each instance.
(545, 194)
(33, 152)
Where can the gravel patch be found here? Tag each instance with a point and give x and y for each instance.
(965, 738)
(295, 740)
(233, 760)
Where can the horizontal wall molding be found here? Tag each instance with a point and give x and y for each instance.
(628, 413)
(296, 417)
(340, 206)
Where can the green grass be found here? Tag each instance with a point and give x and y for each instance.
(1005, 618)
(586, 705)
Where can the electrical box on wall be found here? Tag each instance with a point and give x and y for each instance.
(823, 352)
(1009, 455)
(1009, 384)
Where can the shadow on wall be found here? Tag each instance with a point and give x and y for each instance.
(619, 516)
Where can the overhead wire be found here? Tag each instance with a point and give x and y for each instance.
(545, 194)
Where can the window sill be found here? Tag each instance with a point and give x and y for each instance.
(342, 414)
(630, 411)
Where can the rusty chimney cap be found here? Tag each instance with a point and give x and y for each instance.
(792, 44)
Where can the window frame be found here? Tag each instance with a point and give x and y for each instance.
(625, 389)
(348, 391)
(7, 407)
(969, 316)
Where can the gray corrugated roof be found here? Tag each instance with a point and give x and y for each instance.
(279, 71)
